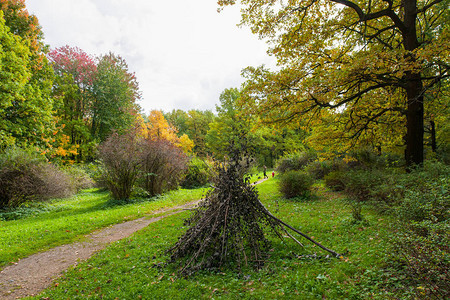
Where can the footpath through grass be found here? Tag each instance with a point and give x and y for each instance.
(134, 268)
(70, 219)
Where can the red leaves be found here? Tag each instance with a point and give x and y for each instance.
(74, 61)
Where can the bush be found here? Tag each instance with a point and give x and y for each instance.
(295, 183)
(25, 176)
(121, 161)
(318, 169)
(424, 243)
(95, 171)
(197, 174)
(163, 165)
(130, 161)
(295, 161)
(335, 180)
(79, 177)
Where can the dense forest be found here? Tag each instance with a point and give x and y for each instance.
(359, 105)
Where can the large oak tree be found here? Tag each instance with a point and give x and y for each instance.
(364, 66)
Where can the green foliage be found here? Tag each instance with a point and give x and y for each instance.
(24, 109)
(335, 180)
(295, 184)
(95, 171)
(115, 92)
(369, 185)
(295, 161)
(318, 169)
(420, 202)
(198, 173)
(25, 177)
(25, 79)
(80, 178)
(197, 126)
(230, 127)
(422, 245)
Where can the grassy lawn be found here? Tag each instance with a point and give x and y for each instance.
(70, 219)
(134, 268)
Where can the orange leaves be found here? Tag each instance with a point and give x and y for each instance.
(157, 128)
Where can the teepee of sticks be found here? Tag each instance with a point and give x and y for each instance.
(228, 226)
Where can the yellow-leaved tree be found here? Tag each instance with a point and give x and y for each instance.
(370, 65)
(157, 128)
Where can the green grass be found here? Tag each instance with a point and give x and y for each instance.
(134, 267)
(66, 220)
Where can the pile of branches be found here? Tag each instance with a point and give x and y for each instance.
(228, 227)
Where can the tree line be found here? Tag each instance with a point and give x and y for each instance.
(352, 75)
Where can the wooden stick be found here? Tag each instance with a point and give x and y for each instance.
(335, 254)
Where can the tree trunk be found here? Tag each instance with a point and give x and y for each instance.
(414, 121)
(414, 86)
(433, 136)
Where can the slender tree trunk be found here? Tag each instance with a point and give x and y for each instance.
(433, 136)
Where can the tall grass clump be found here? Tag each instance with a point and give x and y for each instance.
(26, 176)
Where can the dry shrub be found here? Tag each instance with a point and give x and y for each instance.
(26, 177)
(163, 166)
(121, 160)
(130, 161)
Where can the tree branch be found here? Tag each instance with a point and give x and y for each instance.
(371, 16)
(426, 7)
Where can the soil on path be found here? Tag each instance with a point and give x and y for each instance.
(31, 275)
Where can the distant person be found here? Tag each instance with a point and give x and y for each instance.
(265, 170)
(273, 174)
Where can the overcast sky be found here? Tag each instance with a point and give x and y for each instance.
(183, 52)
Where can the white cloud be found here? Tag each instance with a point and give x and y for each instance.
(183, 52)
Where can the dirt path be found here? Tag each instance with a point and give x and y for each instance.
(31, 275)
